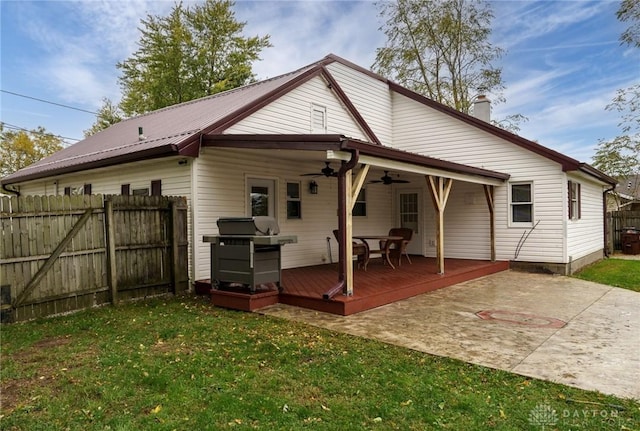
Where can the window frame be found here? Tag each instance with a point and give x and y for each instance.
(360, 205)
(512, 204)
(294, 200)
(272, 195)
(574, 198)
(323, 110)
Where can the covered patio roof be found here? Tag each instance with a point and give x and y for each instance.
(340, 147)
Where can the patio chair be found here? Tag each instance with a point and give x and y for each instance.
(359, 249)
(398, 248)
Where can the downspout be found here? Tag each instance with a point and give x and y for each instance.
(9, 191)
(604, 220)
(342, 225)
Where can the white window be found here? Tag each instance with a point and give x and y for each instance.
(318, 119)
(294, 206)
(574, 201)
(521, 202)
(360, 207)
(261, 197)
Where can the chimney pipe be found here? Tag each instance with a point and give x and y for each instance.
(141, 136)
(482, 108)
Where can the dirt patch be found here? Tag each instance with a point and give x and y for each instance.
(45, 370)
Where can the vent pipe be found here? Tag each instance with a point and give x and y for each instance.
(141, 136)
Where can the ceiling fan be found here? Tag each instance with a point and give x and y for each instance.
(327, 171)
(386, 179)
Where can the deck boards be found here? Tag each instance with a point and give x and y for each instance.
(379, 284)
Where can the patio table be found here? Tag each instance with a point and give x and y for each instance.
(389, 239)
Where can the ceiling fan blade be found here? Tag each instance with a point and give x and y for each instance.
(327, 171)
(400, 181)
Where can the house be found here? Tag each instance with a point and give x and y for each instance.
(469, 190)
(626, 196)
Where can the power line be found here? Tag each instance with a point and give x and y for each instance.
(14, 127)
(49, 102)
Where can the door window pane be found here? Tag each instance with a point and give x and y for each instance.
(259, 201)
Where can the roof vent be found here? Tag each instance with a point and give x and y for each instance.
(482, 108)
(141, 136)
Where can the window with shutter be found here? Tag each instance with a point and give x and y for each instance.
(575, 210)
(156, 188)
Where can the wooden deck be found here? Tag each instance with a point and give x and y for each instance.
(378, 285)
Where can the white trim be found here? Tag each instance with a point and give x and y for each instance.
(510, 203)
(272, 186)
(316, 108)
(416, 169)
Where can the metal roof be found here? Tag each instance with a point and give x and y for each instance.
(177, 129)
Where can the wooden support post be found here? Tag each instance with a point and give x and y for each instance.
(349, 234)
(489, 192)
(175, 237)
(112, 275)
(439, 190)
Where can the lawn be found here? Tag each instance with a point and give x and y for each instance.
(181, 364)
(614, 272)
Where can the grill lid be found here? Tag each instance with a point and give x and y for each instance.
(258, 225)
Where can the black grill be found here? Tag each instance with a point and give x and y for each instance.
(247, 252)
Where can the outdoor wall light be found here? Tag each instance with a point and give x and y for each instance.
(313, 188)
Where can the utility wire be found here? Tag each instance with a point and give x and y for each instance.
(14, 127)
(47, 101)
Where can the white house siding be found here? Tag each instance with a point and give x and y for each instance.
(431, 133)
(585, 236)
(176, 181)
(221, 190)
(370, 96)
(291, 113)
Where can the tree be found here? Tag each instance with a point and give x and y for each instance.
(19, 148)
(193, 52)
(629, 11)
(440, 49)
(108, 115)
(620, 156)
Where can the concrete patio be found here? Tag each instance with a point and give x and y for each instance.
(549, 327)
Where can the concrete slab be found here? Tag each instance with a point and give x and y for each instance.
(597, 349)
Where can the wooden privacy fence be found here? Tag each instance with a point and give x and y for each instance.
(65, 253)
(616, 221)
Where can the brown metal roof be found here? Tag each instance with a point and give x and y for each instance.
(177, 130)
(169, 131)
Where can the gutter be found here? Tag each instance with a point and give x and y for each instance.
(9, 191)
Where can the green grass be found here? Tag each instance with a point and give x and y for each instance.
(614, 272)
(181, 364)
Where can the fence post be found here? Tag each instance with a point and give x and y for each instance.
(112, 278)
(175, 237)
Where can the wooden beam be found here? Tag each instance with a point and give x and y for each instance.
(174, 238)
(439, 189)
(489, 193)
(112, 274)
(358, 182)
(349, 234)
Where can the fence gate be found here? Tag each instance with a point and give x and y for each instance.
(64, 253)
(616, 222)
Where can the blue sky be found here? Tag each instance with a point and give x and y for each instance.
(562, 66)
